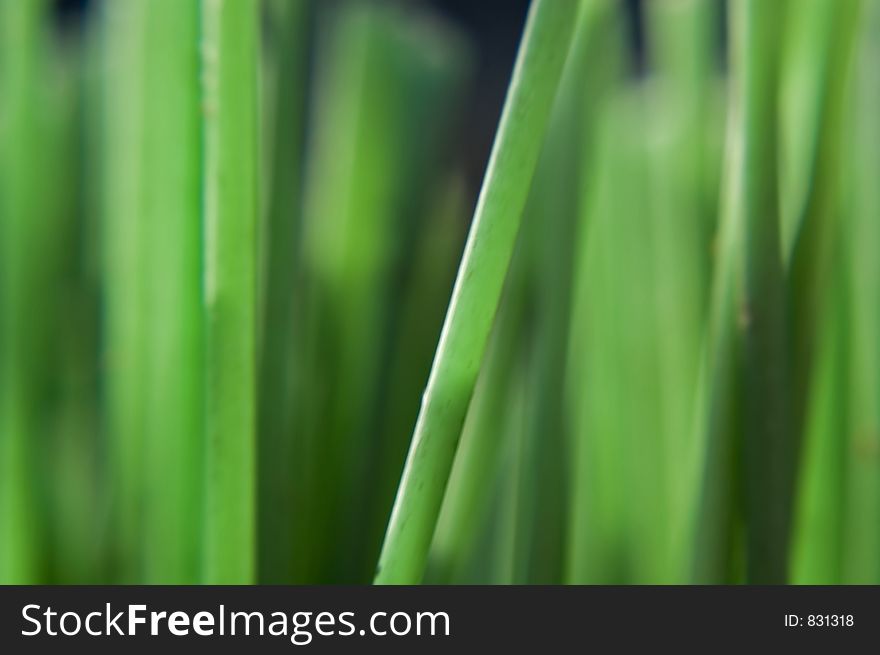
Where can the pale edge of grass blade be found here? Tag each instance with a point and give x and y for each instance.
(474, 302)
(230, 105)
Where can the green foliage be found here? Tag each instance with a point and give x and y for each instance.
(229, 236)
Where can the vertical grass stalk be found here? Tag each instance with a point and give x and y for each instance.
(171, 266)
(123, 282)
(768, 460)
(23, 227)
(861, 235)
(230, 30)
(536, 74)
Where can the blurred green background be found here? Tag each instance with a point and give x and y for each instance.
(682, 383)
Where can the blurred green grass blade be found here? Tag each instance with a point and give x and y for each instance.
(818, 49)
(834, 342)
(387, 79)
(229, 77)
(683, 44)
(24, 226)
(619, 508)
(861, 530)
(429, 283)
(745, 365)
(474, 479)
(508, 561)
(548, 237)
(545, 44)
(805, 67)
(123, 232)
(279, 242)
(818, 539)
(718, 408)
(681, 182)
(596, 506)
(171, 264)
(810, 260)
(768, 458)
(76, 510)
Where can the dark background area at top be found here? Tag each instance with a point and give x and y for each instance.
(494, 28)
(490, 21)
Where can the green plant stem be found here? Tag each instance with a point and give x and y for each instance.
(123, 281)
(229, 68)
(474, 476)
(24, 261)
(429, 283)
(477, 290)
(171, 266)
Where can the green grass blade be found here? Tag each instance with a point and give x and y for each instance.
(172, 262)
(76, 509)
(768, 460)
(810, 259)
(123, 278)
(718, 408)
(279, 243)
(23, 230)
(429, 284)
(230, 30)
(386, 79)
(861, 537)
(818, 539)
(746, 352)
(833, 355)
(682, 188)
(550, 230)
(477, 290)
(455, 550)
